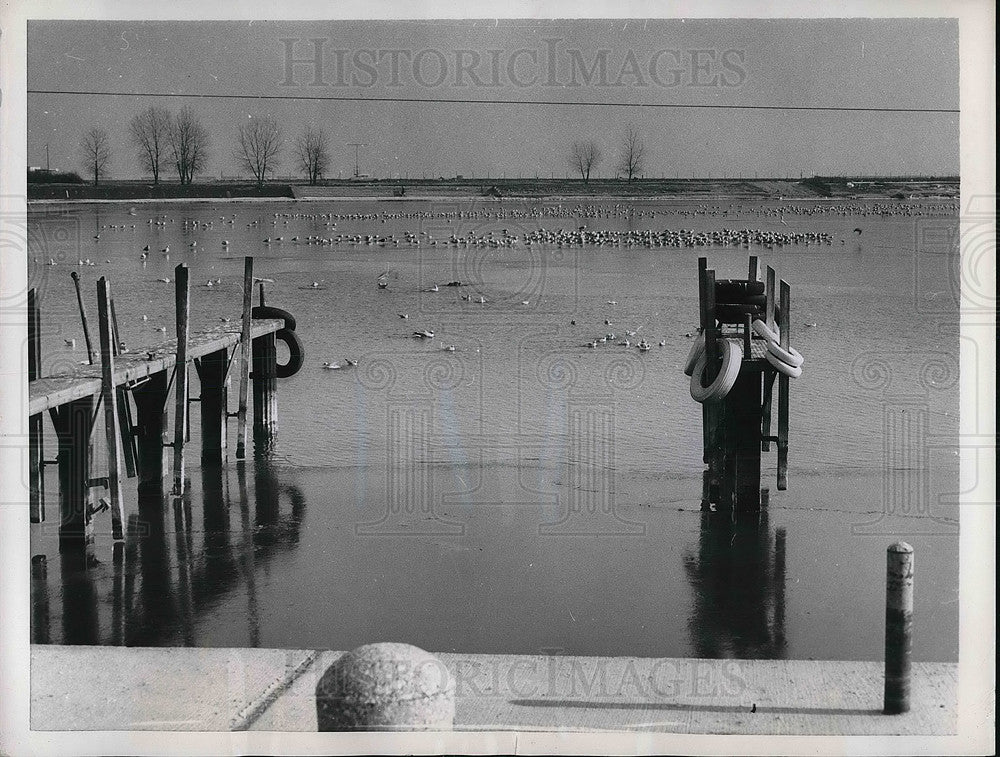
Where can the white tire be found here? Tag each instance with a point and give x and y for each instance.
(732, 360)
(790, 356)
(694, 353)
(792, 371)
(764, 331)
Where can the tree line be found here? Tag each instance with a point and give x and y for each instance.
(584, 157)
(165, 141)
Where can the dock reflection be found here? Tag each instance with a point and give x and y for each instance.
(181, 559)
(738, 583)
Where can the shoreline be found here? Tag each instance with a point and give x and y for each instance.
(477, 198)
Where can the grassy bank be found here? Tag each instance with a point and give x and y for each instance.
(761, 189)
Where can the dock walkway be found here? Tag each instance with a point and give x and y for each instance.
(116, 688)
(55, 391)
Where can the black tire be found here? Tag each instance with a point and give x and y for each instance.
(266, 311)
(296, 352)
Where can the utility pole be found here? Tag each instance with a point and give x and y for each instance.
(46, 156)
(356, 146)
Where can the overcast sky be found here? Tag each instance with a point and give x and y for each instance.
(881, 63)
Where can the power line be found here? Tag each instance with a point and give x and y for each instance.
(459, 101)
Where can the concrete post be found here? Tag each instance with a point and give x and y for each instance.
(898, 627)
(384, 687)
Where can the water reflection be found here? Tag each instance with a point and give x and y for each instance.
(171, 572)
(738, 582)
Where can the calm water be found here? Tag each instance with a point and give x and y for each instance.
(524, 493)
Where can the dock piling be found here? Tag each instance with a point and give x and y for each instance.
(265, 387)
(898, 627)
(150, 432)
(83, 317)
(36, 435)
(124, 406)
(212, 371)
(783, 386)
(241, 413)
(109, 399)
(182, 300)
(74, 428)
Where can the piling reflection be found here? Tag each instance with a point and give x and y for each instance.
(738, 583)
(171, 572)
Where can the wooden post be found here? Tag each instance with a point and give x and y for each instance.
(783, 382)
(898, 627)
(182, 301)
(83, 317)
(754, 272)
(260, 288)
(265, 388)
(769, 295)
(36, 430)
(241, 413)
(124, 406)
(75, 425)
(770, 373)
(110, 402)
(742, 411)
(150, 431)
(214, 402)
(40, 621)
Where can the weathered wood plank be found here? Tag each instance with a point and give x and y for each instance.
(245, 339)
(783, 385)
(109, 400)
(182, 302)
(36, 435)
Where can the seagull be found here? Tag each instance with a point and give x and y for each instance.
(809, 325)
(164, 279)
(350, 362)
(314, 285)
(434, 288)
(331, 366)
(404, 316)
(448, 347)
(425, 334)
(663, 342)
(160, 328)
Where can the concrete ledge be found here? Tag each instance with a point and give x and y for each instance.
(111, 688)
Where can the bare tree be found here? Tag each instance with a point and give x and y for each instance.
(584, 157)
(188, 142)
(632, 156)
(259, 147)
(312, 151)
(150, 132)
(95, 149)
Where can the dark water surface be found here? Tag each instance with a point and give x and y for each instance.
(523, 493)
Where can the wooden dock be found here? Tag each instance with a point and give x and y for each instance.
(137, 385)
(736, 420)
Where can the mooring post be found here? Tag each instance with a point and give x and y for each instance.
(110, 401)
(260, 289)
(241, 413)
(783, 382)
(265, 387)
(770, 373)
(182, 301)
(898, 627)
(214, 402)
(150, 433)
(76, 423)
(703, 323)
(83, 317)
(124, 407)
(742, 413)
(36, 430)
